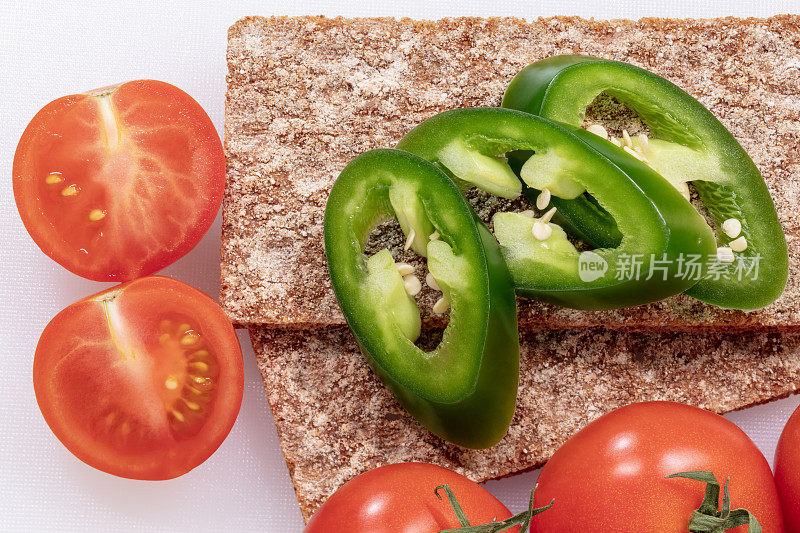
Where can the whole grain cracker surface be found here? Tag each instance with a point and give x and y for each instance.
(335, 420)
(306, 95)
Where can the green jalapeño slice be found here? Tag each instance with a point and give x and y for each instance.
(687, 145)
(465, 389)
(658, 228)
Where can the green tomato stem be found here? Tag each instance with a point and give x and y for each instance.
(522, 519)
(707, 518)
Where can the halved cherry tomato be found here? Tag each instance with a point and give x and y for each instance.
(400, 498)
(787, 472)
(119, 182)
(610, 476)
(143, 380)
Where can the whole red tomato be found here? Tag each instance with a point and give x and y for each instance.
(787, 472)
(400, 498)
(611, 475)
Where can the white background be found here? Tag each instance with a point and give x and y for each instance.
(50, 49)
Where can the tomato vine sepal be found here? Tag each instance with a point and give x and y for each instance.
(521, 519)
(707, 519)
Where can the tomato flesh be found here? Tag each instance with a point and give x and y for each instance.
(787, 472)
(120, 182)
(400, 498)
(143, 381)
(610, 476)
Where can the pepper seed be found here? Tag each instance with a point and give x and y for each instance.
(683, 188)
(543, 200)
(626, 139)
(412, 284)
(644, 142)
(541, 230)
(598, 130)
(725, 255)
(547, 217)
(739, 244)
(431, 282)
(410, 240)
(404, 269)
(441, 306)
(635, 154)
(732, 227)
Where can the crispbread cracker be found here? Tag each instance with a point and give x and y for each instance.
(335, 420)
(306, 95)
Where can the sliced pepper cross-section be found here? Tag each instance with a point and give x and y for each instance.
(464, 390)
(687, 144)
(658, 226)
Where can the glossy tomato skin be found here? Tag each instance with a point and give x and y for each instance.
(610, 476)
(400, 498)
(143, 380)
(787, 472)
(120, 182)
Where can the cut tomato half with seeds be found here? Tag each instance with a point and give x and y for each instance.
(143, 380)
(119, 182)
